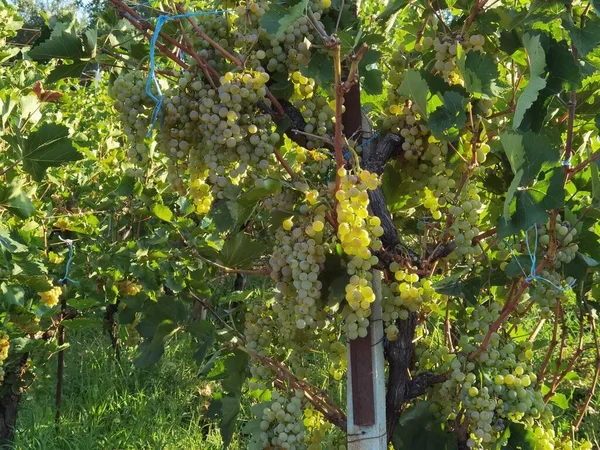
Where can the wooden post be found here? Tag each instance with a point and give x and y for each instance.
(366, 383)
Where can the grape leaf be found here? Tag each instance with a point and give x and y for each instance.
(14, 200)
(537, 64)
(415, 88)
(480, 72)
(447, 120)
(585, 39)
(596, 4)
(48, 146)
(162, 212)
(279, 17)
(62, 46)
(510, 194)
(528, 152)
(153, 347)
(66, 71)
(240, 251)
(562, 69)
(373, 82)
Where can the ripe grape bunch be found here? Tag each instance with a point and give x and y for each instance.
(4, 346)
(50, 298)
(359, 234)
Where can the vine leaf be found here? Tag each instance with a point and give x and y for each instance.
(73, 70)
(62, 46)
(528, 152)
(409, 433)
(241, 251)
(480, 72)
(595, 182)
(537, 64)
(516, 437)
(373, 81)
(14, 200)
(447, 120)
(153, 346)
(510, 194)
(162, 212)
(48, 146)
(585, 39)
(415, 88)
(279, 17)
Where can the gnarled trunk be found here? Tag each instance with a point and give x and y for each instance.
(9, 408)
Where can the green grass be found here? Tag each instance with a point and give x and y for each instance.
(113, 405)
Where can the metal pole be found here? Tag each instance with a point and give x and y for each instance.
(371, 435)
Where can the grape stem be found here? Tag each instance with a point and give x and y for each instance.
(551, 346)
(238, 62)
(592, 390)
(285, 164)
(509, 307)
(133, 18)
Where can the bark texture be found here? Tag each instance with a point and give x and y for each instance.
(9, 409)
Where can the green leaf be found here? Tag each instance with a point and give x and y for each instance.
(37, 283)
(447, 120)
(455, 286)
(391, 10)
(62, 46)
(373, 82)
(596, 4)
(537, 64)
(230, 410)
(549, 191)
(279, 17)
(14, 200)
(518, 437)
(73, 70)
(418, 429)
(527, 211)
(162, 212)
(152, 349)
(320, 68)
(595, 182)
(528, 152)
(239, 252)
(585, 39)
(560, 400)
(48, 146)
(564, 72)
(510, 194)
(204, 333)
(480, 72)
(80, 323)
(90, 40)
(415, 88)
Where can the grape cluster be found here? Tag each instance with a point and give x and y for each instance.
(4, 346)
(337, 356)
(318, 432)
(466, 214)
(282, 425)
(275, 53)
(494, 387)
(50, 298)
(133, 104)
(296, 264)
(359, 234)
(446, 50)
(406, 293)
(129, 288)
(406, 121)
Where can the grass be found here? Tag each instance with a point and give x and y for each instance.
(113, 405)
